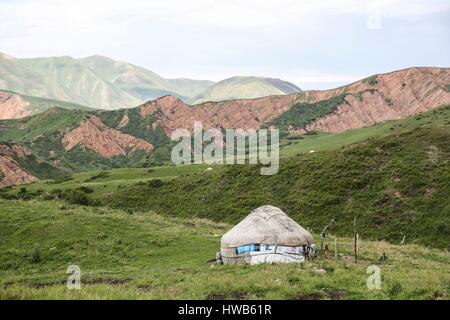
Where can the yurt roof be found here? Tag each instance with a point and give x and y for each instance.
(267, 225)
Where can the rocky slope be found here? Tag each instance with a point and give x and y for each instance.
(241, 113)
(94, 135)
(11, 173)
(388, 96)
(14, 105)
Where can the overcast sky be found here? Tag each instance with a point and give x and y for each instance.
(314, 44)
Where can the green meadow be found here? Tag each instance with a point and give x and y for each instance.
(148, 256)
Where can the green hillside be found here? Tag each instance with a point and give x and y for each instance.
(394, 186)
(142, 83)
(246, 88)
(16, 77)
(90, 89)
(95, 81)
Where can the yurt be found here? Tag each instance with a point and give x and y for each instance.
(266, 235)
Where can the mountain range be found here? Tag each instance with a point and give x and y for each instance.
(103, 83)
(65, 140)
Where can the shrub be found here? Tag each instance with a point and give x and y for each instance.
(36, 256)
(101, 175)
(155, 183)
(23, 194)
(86, 189)
(56, 192)
(76, 197)
(371, 80)
(395, 289)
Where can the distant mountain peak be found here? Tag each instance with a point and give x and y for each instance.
(246, 87)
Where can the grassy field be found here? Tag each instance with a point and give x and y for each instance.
(103, 182)
(148, 256)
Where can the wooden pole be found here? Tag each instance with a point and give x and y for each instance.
(321, 244)
(336, 248)
(356, 247)
(355, 240)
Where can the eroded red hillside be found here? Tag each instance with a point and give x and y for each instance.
(398, 95)
(12, 106)
(94, 135)
(10, 171)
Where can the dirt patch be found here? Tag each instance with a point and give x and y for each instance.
(109, 281)
(145, 287)
(336, 294)
(328, 295)
(234, 295)
(189, 225)
(308, 296)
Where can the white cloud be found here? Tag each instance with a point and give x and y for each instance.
(44, 15)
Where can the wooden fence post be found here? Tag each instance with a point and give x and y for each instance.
(336, 256)
(356, 247)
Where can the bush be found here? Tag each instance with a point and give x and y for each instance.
(36, 256)
(155, 183)
(23, 194)
(86, 189)
(76, 197)
(101, 175)
(395, 289)
(371, 80)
